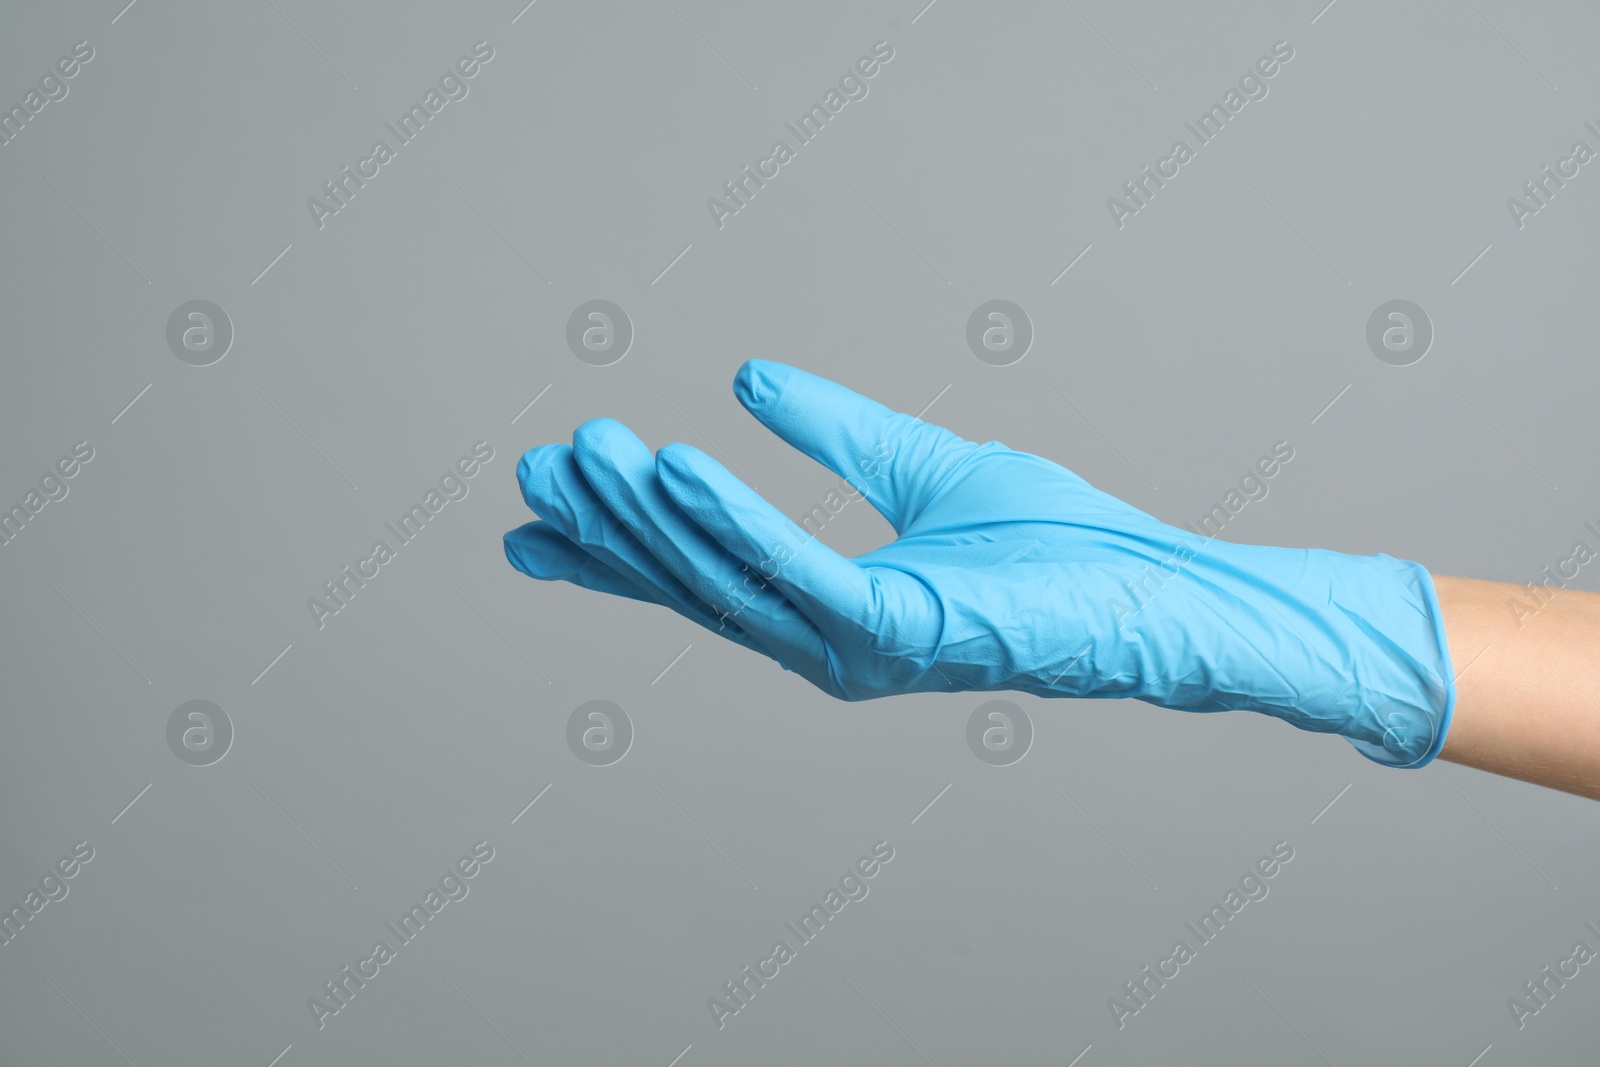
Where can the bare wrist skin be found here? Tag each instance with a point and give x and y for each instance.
(1527, 682)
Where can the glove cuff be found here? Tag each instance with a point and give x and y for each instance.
(1408, 733)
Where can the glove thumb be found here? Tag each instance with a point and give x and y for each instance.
(894, 460)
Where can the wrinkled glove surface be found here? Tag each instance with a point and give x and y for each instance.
(1008, 572)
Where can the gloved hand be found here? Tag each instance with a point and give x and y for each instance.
(1009, 572)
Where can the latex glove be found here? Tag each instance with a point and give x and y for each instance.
(1009, 572)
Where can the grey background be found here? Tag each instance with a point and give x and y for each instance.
(1225, 316)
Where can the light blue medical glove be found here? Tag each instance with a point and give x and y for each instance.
(1009, 572)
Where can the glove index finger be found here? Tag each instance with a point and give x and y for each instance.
(622, 472)
(823, 584)
(555, 489)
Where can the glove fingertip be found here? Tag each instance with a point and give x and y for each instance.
(525, 469)
(540, 551)
(676, 462)
(689, 477)
(596, 436)
(513, 551)
(536, 470)
(759, 382)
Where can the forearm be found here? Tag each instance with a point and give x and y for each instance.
(1527, 684)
